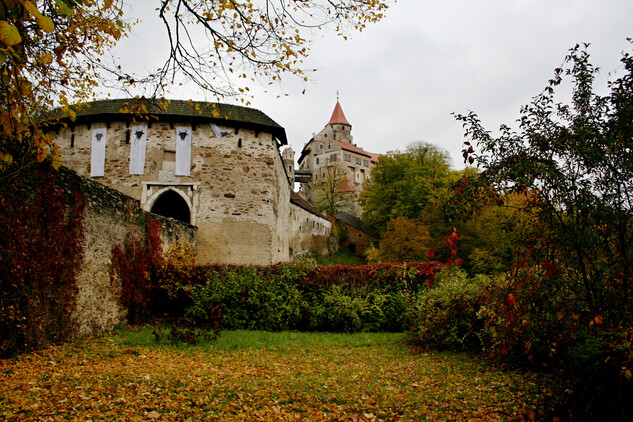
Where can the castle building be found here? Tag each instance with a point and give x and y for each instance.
(215, 166)
(333, 146)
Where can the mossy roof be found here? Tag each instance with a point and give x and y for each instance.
(180, 111)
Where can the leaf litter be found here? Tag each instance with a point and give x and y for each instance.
(102, 379)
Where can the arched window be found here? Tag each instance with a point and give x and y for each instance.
(172, 205)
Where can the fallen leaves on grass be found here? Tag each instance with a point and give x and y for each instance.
(100, 379)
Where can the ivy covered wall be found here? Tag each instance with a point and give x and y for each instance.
(58, 234)
(110, 218)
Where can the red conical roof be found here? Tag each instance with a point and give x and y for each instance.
(338, 118)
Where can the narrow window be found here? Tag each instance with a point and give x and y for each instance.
(72, 140)
(239, 143)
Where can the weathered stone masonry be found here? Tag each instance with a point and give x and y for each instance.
(109, 216)
(237, 193)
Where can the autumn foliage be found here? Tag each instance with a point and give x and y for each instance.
(50, 55)
(41, 236)
(563, 300)
(291, 296)
(133, 263)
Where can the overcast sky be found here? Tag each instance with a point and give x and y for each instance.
(400, 79)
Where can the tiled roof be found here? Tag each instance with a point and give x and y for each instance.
(374, 157)
(338, 118)
(345, 186)
(353, 148)
(354, 222)
(185, 110)
(300, 202)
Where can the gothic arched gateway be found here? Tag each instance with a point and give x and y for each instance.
(171, 204)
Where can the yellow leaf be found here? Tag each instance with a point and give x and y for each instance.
(41, 154)
(43, 21)
(30, 7)
(107, 4)
(5, 161)
(46, 24)
(57, 162)
(9, 33)
(24, 86)
(46, 58)
(63, 7)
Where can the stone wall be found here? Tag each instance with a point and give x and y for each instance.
(309, 232)
(109, 216)
(238, 191)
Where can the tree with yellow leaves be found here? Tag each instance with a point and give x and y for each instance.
(49, 56)
(52, 54)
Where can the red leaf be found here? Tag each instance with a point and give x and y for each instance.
(431, 254)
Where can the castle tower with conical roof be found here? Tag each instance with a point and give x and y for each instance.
(338, 117)
(332, 147)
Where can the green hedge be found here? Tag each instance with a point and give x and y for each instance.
(294, 296)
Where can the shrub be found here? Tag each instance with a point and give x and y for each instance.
(293, 296)
(449, 316)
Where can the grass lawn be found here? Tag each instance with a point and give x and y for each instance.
(251, 375)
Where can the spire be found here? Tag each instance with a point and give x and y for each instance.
(338, 118)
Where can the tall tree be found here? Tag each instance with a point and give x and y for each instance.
(574, 164)
(403, 184)
(405, 240)
(332, 191)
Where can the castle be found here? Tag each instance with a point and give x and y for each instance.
(217, 167)
(333, 146)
